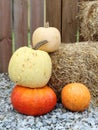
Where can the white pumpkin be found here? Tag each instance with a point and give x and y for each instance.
(51, 34)
(30, 68)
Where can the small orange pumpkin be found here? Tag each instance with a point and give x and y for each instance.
(75, 97)
(35, 102)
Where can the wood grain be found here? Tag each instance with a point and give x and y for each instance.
(5, 34)
(36, 15)
(69, 20)
(53, 13)
(21, 23)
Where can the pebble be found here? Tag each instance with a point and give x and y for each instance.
(58, 119)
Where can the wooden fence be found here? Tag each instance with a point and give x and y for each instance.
(14, 22)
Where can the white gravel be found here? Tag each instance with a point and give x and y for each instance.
(57, 119)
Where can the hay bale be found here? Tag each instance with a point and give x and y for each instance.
(75, 63)
(88, 17)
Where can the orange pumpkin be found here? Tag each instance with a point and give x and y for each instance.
(75, 97)
(35, 102)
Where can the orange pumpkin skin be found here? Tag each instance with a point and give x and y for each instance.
(75, 97)
(35, 102)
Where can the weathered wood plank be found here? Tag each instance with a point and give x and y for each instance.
(53, 13)
(5, 34)
(21, 23)
(36, 14)
(69, 21)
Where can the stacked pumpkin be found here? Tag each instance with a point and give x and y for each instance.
(31, 70)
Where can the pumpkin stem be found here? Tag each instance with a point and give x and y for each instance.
(39, 44)
(46, 25)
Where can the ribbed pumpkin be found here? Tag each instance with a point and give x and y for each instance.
(35, 102)
(75, 97)
(29, 67)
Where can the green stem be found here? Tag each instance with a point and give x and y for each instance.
(39, 44)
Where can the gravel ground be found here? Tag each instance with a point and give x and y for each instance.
(57, 119)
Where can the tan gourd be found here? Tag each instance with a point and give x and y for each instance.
(51, 34)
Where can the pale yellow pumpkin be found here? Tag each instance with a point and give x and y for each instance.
(51, 34)
(30, 68)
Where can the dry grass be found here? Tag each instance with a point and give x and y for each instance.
(88, 16)
(76, 63)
